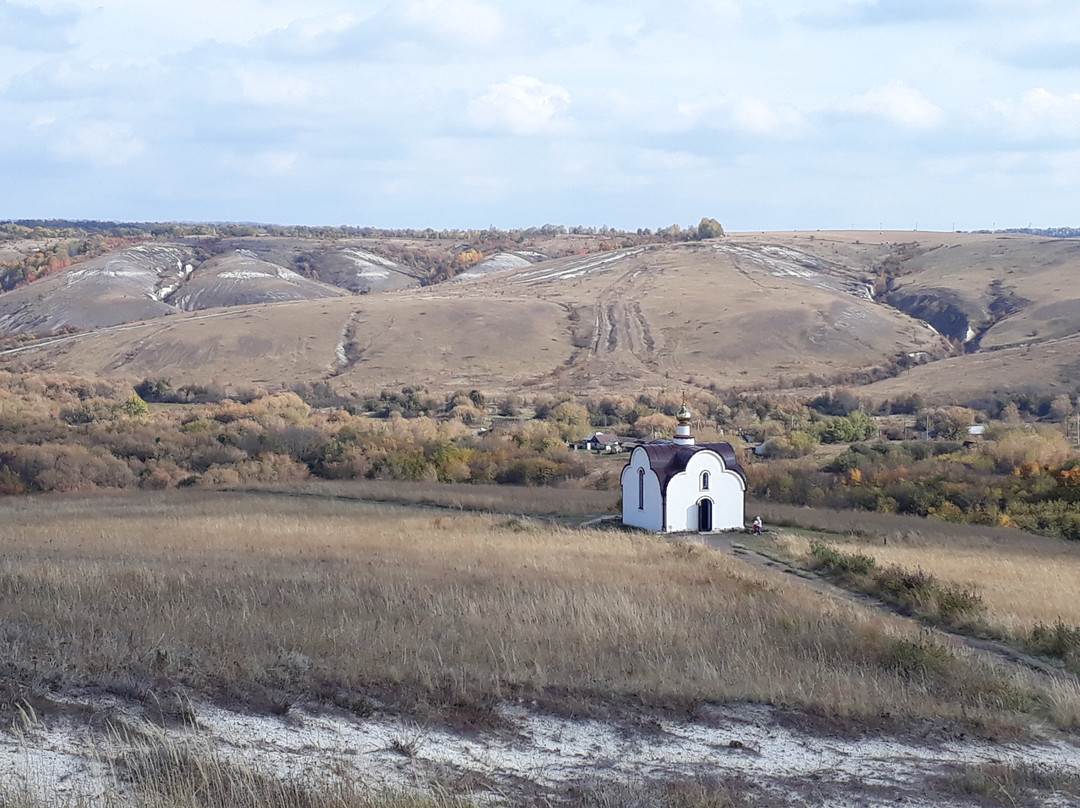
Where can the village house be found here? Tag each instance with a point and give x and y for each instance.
(602, 442)
(679, 485)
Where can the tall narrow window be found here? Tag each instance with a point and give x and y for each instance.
(641, 489)
(704, 481)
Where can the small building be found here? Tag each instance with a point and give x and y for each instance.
(671, 486)
(602, 442)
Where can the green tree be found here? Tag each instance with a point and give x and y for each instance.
(709, 228)
(135, 407)
(850, 428)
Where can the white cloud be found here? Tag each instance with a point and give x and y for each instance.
(755, 116)
(258, 165)
(522, 105)
(460, 22)
(295, 96)
(1040, 113)
(760, 117)
(726, 10)
(269, 89)
(896, 102)
(701, 109)
(667, 161)
(309, 36)
(273, 163)
(98, 143)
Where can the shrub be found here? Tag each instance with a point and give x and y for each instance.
(135, 407)
(914, 591)
(1018, 447)
(67, 468)
(847, 429)
(834, 562)
(840, 402)
(917, 658)
(1059, 641)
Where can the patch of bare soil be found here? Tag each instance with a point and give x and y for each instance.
(758, 755)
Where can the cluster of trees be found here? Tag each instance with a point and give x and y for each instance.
(1054, 232)
(65, 228)
(69, 435)
(50, 258)
(417, 249)
(1022, 476)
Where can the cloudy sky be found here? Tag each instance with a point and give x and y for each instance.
(778, 114)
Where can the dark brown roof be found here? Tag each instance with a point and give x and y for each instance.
(604, 437)
(668, 458)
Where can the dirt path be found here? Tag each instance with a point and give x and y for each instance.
(732, 544)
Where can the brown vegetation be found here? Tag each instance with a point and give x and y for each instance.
(267, 600)
(64, 434)
(1020, 477)
(1015, 587)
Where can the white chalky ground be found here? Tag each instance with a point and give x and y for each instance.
(61, 762)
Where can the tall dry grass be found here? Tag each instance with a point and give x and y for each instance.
(532, 501)
(859, 524)
(1023, 580)
(268, 599)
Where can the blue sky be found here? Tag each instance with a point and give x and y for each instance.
(792, 114)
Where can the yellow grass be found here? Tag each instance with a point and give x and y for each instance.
(259, 596)
(1023, 581)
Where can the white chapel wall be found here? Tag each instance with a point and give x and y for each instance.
(726, 491)
(651, 517)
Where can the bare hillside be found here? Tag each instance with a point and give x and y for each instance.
(948, 315)
(999, 290)
(242, 278)
(725, 312)
(130, 284)
(152, 280)
(355, 265)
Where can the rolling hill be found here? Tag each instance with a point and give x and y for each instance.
(950, 315)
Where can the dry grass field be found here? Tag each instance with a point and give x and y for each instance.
(751, 311)
(265, 601)
(567, 504)
(1023, 580)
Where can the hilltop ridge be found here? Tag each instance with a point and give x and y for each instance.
(564, 312)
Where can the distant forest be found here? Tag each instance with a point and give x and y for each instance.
(443, 254)
(67, 228)
(1054, 232)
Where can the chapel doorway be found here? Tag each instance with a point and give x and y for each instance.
(704, 511)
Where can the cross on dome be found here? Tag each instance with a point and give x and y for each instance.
(682, 434)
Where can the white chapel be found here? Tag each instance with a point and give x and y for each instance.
(680, 485)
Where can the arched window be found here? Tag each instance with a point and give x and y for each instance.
(704, 481)
(641, 489)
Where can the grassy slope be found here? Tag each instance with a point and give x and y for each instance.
(270, 600)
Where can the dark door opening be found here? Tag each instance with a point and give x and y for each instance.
(704, 515)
